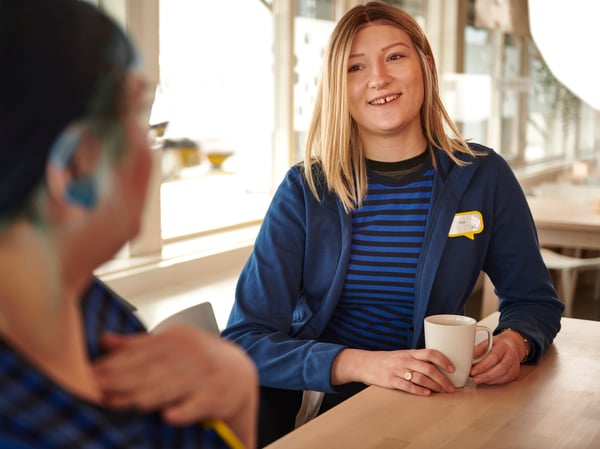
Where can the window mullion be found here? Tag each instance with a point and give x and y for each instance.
(283, 47)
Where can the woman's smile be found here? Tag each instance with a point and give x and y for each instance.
(384, 100)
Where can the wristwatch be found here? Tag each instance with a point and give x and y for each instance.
(526, 342)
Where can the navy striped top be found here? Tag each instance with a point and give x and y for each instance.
(35, 412)
(376, 308)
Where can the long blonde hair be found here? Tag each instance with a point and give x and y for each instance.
(333, 140)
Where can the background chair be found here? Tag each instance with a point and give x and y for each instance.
(200, 315)
(568, 267)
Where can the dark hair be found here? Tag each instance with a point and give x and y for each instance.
(62, 61)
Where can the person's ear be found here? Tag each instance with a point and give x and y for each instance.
(82, 191)
(72, 164)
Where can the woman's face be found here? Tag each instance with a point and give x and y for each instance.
(132, 172)
(385, 83)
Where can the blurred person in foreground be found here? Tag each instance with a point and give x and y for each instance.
(74, 169)
(391, 217)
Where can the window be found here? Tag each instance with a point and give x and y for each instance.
(313, 23)
(532, 117)
(216, 93)
(219, 82)
(551, 119)
(478, 66)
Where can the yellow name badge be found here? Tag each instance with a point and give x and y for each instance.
(466, 224)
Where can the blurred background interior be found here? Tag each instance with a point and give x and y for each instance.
(234, 83)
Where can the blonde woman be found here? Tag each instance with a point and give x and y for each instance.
(391, 217)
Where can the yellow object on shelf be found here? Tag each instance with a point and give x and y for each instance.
(188, 156)
(217, 159)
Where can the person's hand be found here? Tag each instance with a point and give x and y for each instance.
(503, 363)
(389, 369)
(187, 373)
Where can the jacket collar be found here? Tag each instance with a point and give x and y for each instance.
(450, 183)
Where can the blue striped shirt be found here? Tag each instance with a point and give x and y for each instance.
(376, 307)
(35, 412)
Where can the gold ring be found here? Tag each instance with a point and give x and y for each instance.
(408, 375)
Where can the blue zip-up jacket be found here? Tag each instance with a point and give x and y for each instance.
(291, 284)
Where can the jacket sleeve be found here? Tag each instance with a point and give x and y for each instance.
(270, 309)
(527, 298)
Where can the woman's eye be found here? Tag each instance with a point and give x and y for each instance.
(353, 68)
(395, 57)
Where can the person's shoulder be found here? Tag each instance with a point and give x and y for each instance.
(483, 155)
(482, 159)
(299, 168)
(99, 292)
(488, 156)
(107, 309)
(297, 173)
(480, 149)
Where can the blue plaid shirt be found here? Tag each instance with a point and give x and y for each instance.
(35, 412)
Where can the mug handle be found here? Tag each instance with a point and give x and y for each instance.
(490, 340)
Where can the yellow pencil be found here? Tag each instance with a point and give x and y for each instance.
(224, 432)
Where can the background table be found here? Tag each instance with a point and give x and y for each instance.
(566, 222)
(555, 404)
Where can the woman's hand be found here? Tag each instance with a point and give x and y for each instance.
(187, 373)
(503, 363)
(388, 369)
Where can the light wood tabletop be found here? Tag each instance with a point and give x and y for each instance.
(555, 404)
(567, 222)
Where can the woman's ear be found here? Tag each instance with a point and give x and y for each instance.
(71, 172)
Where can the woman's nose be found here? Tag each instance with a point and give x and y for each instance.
(379, 77)
(377, 84)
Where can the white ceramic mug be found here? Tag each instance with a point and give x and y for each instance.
(454, 336)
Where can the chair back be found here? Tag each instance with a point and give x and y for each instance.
(200, 315)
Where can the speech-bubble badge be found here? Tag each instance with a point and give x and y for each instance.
(466, 224)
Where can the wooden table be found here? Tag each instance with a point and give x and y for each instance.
(555, 404)
(566, 223)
